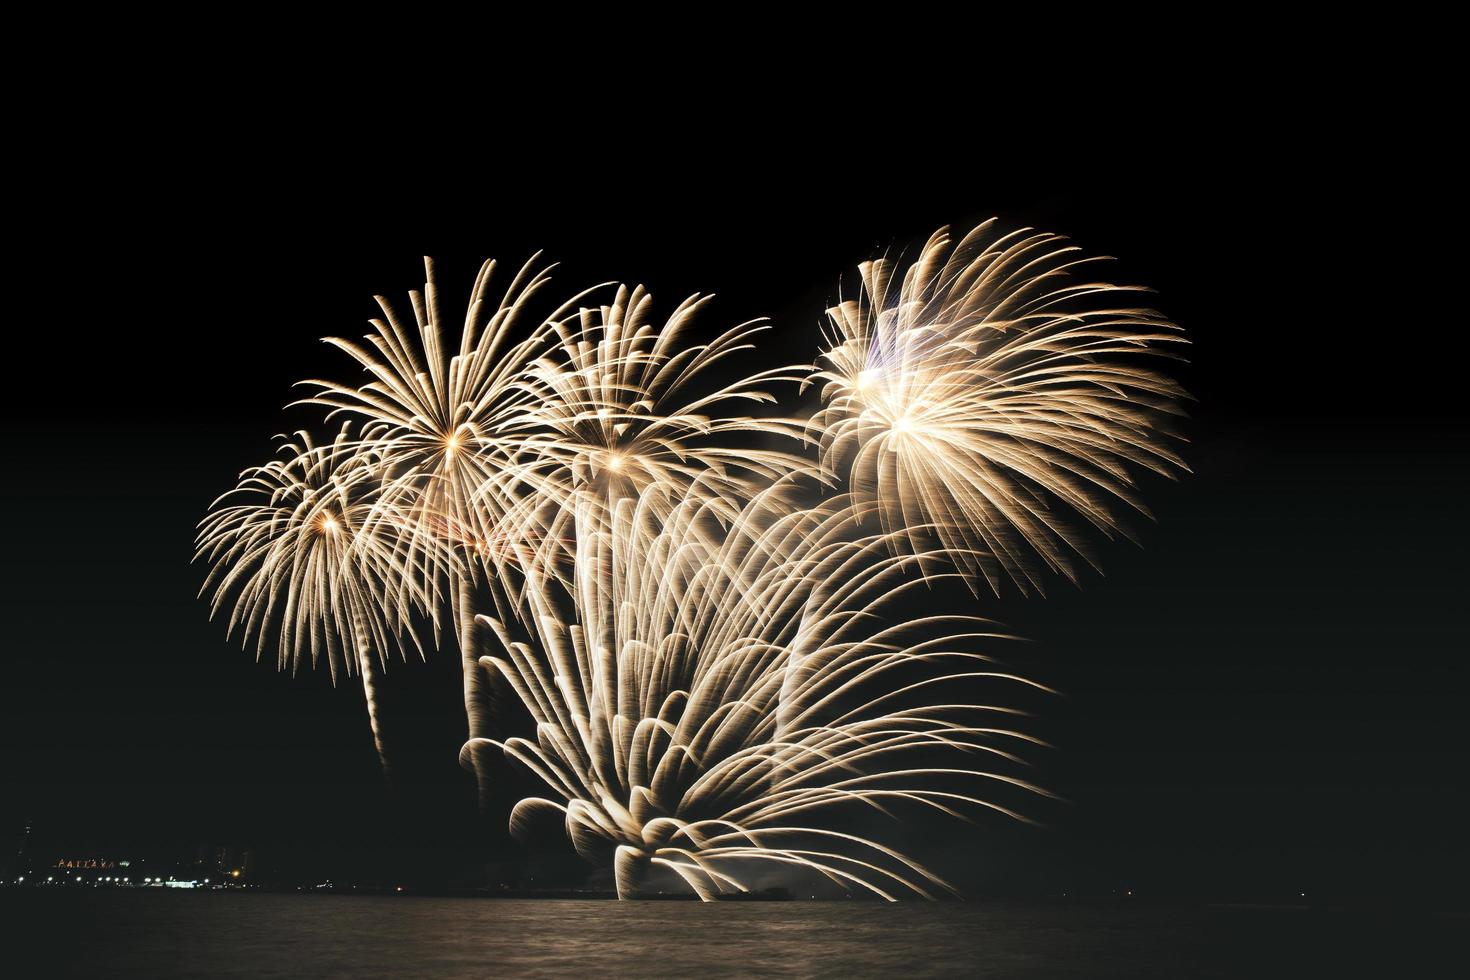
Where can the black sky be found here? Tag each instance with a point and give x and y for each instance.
(1269, 695)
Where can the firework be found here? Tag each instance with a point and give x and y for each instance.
(448, 420)
(729, 691)
(992, 390)
(436, 413)
(611, 418)
(298, 546)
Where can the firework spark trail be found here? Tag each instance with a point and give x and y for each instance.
(989, 384)
(744, 686)
(298, 544)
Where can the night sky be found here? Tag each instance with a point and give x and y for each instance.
(1268, 696)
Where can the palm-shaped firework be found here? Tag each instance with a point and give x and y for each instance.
(624, 409)
(705, 628)
(308, 546)
(441, 416)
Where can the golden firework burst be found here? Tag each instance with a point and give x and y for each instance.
(307, 549)
(993, 391)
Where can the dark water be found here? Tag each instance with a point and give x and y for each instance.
(137, 934)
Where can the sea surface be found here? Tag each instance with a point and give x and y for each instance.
(245, 934)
